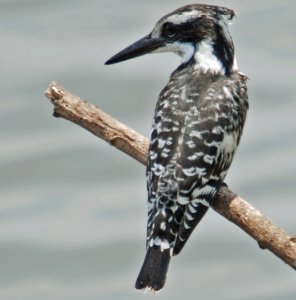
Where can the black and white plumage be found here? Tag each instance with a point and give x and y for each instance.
(198, 123)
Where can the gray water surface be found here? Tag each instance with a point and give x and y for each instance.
(73, 209)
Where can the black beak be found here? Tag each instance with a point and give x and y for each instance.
(145, 45)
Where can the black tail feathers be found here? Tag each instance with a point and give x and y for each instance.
(154, 269)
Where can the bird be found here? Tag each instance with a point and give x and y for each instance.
(197, 126)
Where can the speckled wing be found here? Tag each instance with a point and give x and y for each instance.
(213, 130)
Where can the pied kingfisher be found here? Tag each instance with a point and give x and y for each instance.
(198, 123)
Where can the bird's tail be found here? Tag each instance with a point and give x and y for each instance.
(153, 272)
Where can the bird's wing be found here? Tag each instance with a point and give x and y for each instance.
(210, 141)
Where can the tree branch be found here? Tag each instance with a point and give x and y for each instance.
(232, 207)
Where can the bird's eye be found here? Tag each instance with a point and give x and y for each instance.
(169, 29)
(188, 26)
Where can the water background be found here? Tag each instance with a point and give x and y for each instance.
(73, 209)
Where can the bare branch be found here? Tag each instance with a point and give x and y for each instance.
(102, 125)
(232, 207)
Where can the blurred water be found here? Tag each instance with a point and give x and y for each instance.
(72, 209)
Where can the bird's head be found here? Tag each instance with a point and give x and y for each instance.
(198, 33)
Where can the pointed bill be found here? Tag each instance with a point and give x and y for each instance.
(143, 46)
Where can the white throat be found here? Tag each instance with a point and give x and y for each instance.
(206, 60)
(203, 52)
(185, 50)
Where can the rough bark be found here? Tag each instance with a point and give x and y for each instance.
(231, 206)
